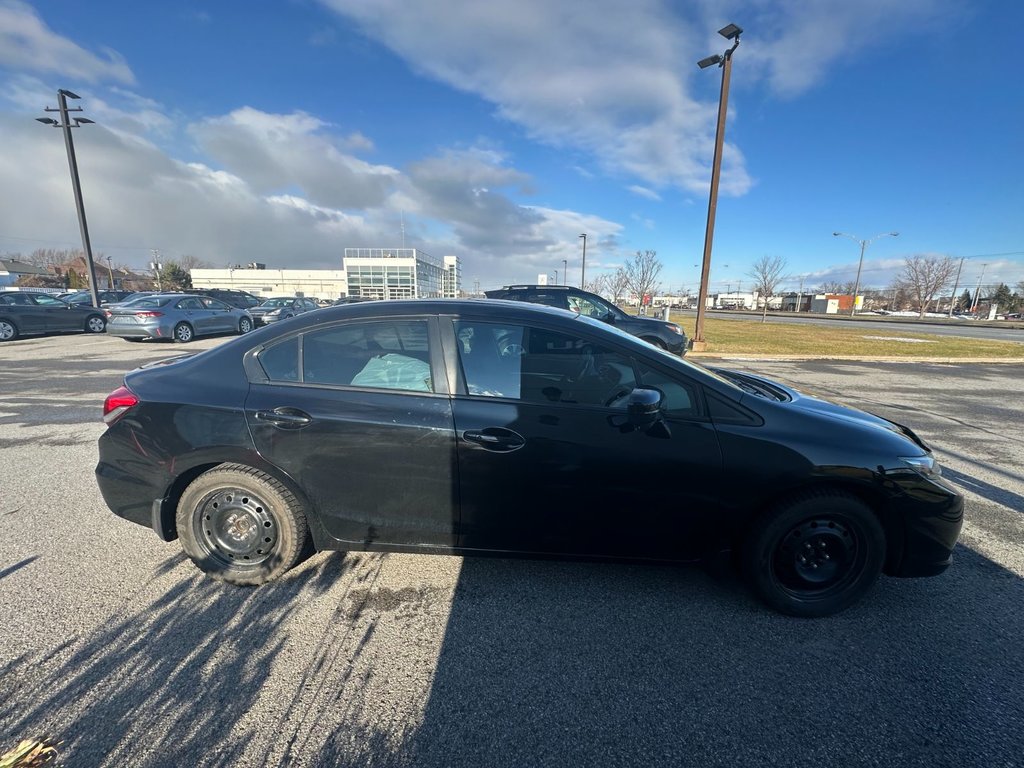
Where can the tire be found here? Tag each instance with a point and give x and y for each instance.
(95, 324)
(244, 325)
(8, 330)
(815, 555)
(183, 333)
(240, 525)
(656, 342)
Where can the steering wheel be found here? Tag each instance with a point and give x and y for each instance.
(511, 349)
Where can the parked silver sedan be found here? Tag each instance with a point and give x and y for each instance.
(177, 316)
(281, 308)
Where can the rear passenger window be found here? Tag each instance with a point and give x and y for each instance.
(379, 355)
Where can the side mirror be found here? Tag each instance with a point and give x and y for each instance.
(643, 408)
(609, 318)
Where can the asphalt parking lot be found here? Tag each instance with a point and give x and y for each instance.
(115, 644)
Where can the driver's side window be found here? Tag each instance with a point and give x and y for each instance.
(541, 365)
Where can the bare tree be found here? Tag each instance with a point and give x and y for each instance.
(642, 272)
(189, 262)
(767, 273)
(598, 285)
(618, 283)
(925, 276)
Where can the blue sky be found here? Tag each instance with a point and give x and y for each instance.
(285, 132)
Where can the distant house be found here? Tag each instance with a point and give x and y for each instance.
(12, 269)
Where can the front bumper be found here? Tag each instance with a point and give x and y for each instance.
(933, 515)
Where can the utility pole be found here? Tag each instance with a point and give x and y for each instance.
(565, 270)
(66, 124)
(977, 291)
(583, 270)
(956, 284)
(110, 274)
(729, 32)
(156, 266)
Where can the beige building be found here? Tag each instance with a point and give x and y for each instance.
(314, 283)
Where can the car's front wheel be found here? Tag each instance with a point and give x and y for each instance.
(241, 525)
(815, 555)
(183, 333)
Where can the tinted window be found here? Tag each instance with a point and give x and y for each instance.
(540, 365)
(679, 398)
(588, 307)
(189, 303)
(49, 301)
(377, 355)
(213, 304)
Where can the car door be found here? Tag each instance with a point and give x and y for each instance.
(548, 461)
(221, 318)
(58, 315)
(198, 316)
(29, 317)
(356, 414)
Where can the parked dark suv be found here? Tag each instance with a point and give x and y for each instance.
(232, 296)
(657, 332)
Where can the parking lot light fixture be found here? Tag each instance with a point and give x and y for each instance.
(863, 246)
(67, 123)
(724, 60)
(583, 270)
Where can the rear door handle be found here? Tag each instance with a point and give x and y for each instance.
(497, 439)
(288, 418)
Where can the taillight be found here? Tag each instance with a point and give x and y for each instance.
(149, 314)
(117, 404)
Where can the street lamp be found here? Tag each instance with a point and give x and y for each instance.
(863, 245)
(724, 60)
(583, 270)
(67, 124)
(565, 270)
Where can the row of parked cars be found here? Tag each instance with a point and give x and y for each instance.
(182, 316)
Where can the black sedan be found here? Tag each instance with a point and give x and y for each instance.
(469, 427)
(22, 312)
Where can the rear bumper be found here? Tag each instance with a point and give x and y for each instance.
(140, 331)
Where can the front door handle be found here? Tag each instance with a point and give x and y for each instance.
(288, 418)
(497, 439)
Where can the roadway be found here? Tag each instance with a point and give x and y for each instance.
(973, 329)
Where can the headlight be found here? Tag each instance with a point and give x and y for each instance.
(926, 465)
(674, 328)
(274, 312)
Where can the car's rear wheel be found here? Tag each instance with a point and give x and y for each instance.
(244, 325)
(183, 333)
(815, 555)
(8, 330)
(240, 525)
(95, 324)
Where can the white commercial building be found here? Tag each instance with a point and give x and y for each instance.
(314, 283)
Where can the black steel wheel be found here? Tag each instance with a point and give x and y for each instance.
(183, 333)
(241, 525)
(8, 330)
(816, 555)
(95, 324)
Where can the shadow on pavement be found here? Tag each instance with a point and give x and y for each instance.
(561, 664)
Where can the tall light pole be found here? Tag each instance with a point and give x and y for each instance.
(565, 270)
(110, 273)
(956, 284)
(729, 32)
(977, 291)
(583, 270)
(67, 125)
(863, 246)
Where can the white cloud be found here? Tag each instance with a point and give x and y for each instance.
(650, 194)
(27, 44)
